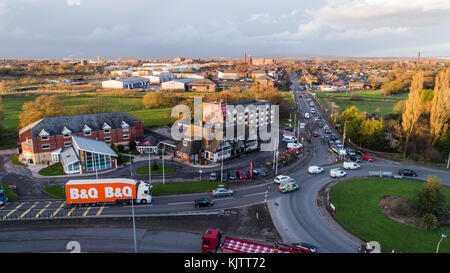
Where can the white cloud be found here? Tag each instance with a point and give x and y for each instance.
(262, 17)
(73, 2)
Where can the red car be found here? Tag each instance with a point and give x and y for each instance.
(297, 151)
(315, 134)
(367, 157)
(242, 175)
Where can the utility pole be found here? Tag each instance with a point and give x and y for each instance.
(448, 160)
(221, 166)
(149, 169)
(163, 162)
(131, 173)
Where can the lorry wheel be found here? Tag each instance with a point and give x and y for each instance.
(144, 201)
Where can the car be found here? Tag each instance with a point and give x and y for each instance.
(280, 179)
(222, 192)
(232, 175)
(326, 138)
(259, 172)
(288, 187)
(224, 177)
(319, 115)
(315, 134)
(289, 139)
(206, 202)
(297, 151)
(333, 137)
(337, 173)
(308, 247)
(213, 176)
(241, 175)
(350, 166)
(355, 158)
(288, 134)
(367, 157)
(327, 131)
(359, 152)
(320, 124)
(302, 125)
(314, 169)
(307, 115)
(294, 146)
(350, 152)
(313, 111)
(407, 172)
(326, 127)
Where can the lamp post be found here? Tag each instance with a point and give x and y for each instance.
(443, 235)
(149, 169)
(134, 226)
(163, 164)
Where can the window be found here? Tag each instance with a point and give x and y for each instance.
(66, 135)
(107, 130)
(126, 136)
(108, 138)
(44, 137)
(67, 143)
(45, 146)
(87, 132)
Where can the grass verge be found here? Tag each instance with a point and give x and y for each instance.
(53, 170)
(15, 160)
(356, 202)
(56, 191)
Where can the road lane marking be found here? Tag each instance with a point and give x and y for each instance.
(4, 206)
(86, 211)
(179, 203)
(14, 210)
(28, 210)
(70, 212)
(253, 194)
(222, 199)
(100, 210)
(56, 211)
(42, 210)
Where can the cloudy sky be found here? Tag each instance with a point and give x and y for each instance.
(210, 28)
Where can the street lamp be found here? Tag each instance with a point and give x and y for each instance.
(443, 235)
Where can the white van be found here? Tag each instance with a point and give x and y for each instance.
(306, 115)
(351, 166)
(337, 173)
(288, 138)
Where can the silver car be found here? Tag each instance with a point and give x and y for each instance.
(222, 192)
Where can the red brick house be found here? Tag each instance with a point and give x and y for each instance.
(39, 139)
(202, 85)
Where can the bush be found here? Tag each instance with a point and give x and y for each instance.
(429, 221)
(430, 199)
(155, 166)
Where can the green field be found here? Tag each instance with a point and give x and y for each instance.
(356, 202)
(365, 101)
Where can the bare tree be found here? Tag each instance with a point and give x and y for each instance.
(440, 107)
(412, 108)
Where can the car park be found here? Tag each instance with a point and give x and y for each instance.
(407, 172)
(288, 187)
(367, 157)
(350, 166)
(335, 173)
(203, 203)
(280, 179)
(315, 169)
(222, 192)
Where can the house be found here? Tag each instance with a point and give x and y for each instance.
(202, 85)
(39, 139)
(258, 73)
(265, 81)
(127, 83)
(190, 148)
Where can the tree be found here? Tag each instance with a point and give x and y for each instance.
(412, 108)
(44, 106)
(440, 107)
(431, 198)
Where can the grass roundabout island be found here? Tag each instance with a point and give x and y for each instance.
(377, 209)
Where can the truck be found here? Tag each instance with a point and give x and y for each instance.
(213, 242)
(109, 190)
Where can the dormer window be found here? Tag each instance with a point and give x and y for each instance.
(44, 135)
(125, 126)
(87, 131)
(106, 128)
(66, 132)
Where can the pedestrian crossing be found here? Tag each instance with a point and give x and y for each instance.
(46, 210)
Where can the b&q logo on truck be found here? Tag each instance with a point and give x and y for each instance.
(93, 193)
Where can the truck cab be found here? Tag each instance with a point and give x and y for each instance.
(211, 240)
(3, 197)
(144, 193)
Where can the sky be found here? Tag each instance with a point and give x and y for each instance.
(210, 28)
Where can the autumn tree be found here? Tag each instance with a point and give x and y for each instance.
(412, 108)
(44, 106)
(440, 107)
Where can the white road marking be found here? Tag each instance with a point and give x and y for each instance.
(253, 194)
(180, 203)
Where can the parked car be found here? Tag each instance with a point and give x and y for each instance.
(294, 145)
(313, 110)
(326, 137)
(355, 158)
(241, 175)
(259, 172)
(367, 157)
(232, 175)
(407, 172)
(315, 134)
(333, 137)
(337, 173)
(311, 248)
(350, 152)
(327, 131)
(203, 203)
(289, 139)
(350, 166)
(302, 125)
(280, 179)
(213, 176)
(315, 170)
(222, 192)
(307, 115)
(359, 152)
(288, 187)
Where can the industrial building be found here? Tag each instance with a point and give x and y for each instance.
(127, 83)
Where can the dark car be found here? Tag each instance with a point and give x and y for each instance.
(259, 172)
(203, 203)
(327, 131)
(232, 175)
(326, 137)
(333, 137)
(407, 172)
(358, 152)
(355, 158)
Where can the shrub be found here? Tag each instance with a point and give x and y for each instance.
(429, 221)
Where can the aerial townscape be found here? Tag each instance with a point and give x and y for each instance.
(244, 151)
